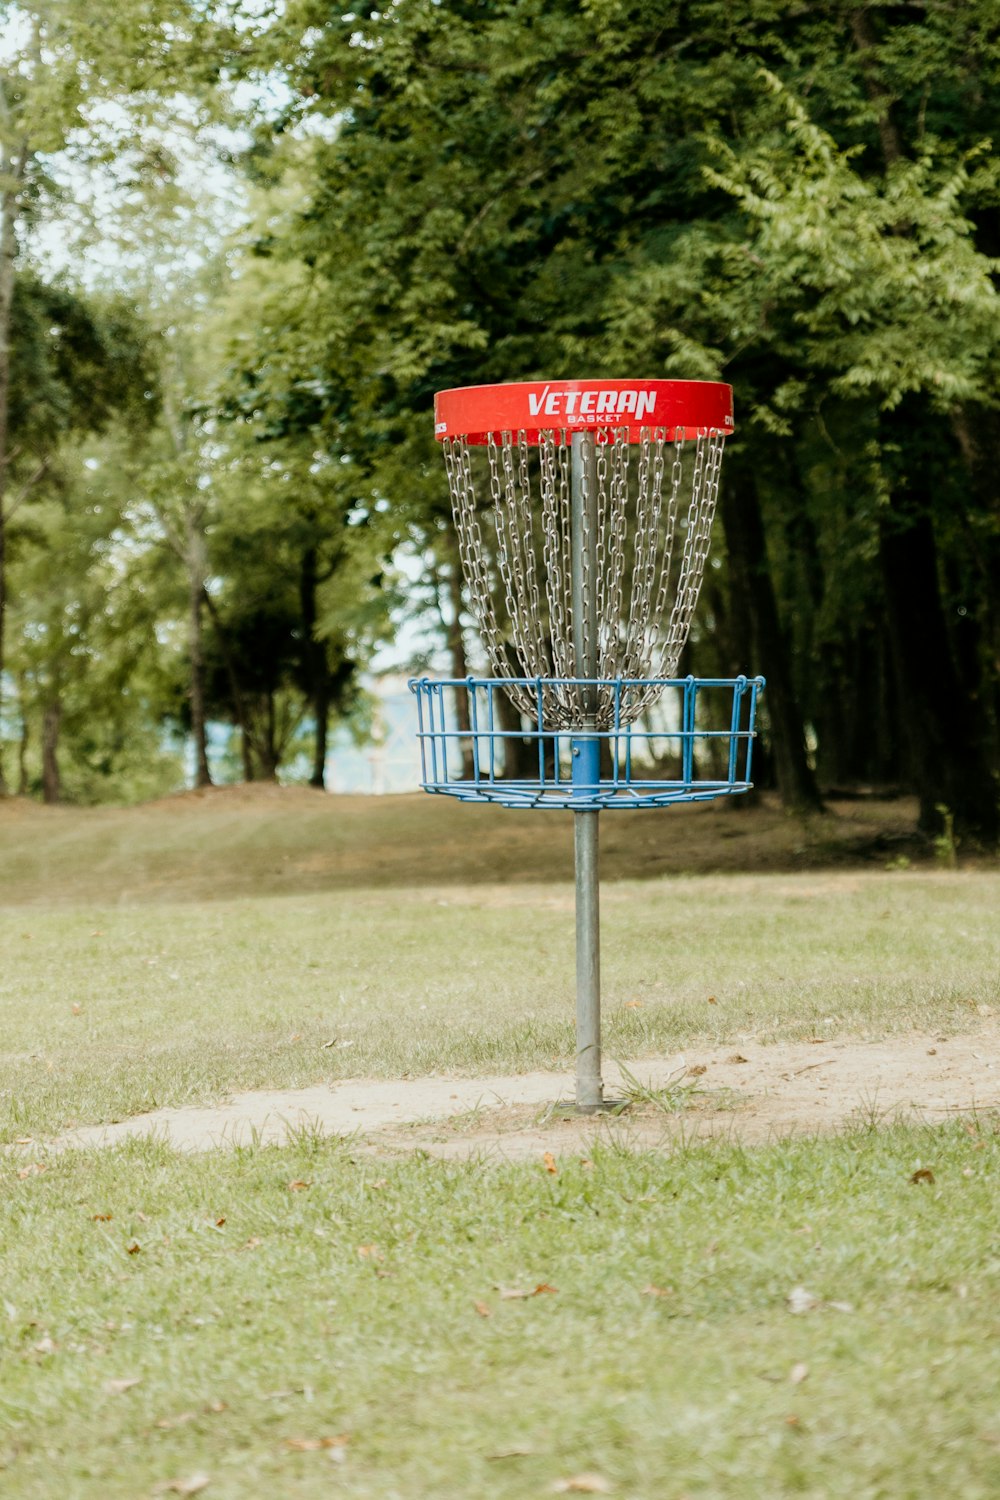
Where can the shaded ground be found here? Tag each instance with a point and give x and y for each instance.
(754, 1095)
(228, 842)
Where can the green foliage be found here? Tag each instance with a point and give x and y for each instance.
(802, 200)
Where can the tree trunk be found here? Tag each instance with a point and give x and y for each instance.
(315, 664)
(947, 764)
(268, 747)
(246, 754)
(8, 252)
(196, 582)
(743, 523)
(459, 663)
(978, 437)
(240, 714)
(51, 721)
(516, 751)
(3, 614)
(23, 743)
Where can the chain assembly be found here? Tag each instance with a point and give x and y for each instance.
(650, 549)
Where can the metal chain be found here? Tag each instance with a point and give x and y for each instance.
(540, 638)
(640, 624)
(652, 662)
(701, 512)
(618, 525)
(472, 553)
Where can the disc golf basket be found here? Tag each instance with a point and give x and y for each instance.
(584, 512)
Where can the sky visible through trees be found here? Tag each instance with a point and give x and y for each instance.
(242, 244)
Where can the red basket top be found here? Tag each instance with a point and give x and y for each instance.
(688, 407)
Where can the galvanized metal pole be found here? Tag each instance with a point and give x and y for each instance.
(586, 774)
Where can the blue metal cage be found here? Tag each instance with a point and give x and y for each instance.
(697, 746)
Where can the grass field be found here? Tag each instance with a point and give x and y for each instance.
(267, 1302)
(314, 1320)
(125, 986)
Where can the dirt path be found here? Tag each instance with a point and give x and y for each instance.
(756, 1094)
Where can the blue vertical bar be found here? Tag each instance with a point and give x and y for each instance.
(474, 726)
(432, 734)
(690, 691)
(734, 725)
(420, 732)
(751, 726)
(490, 690)
(444, 734)
(541, 742)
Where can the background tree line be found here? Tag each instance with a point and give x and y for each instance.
(800, 199)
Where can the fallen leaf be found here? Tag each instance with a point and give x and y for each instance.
(119, 1387)
(167, 1422)
(252, 1243)
(509, 1453)
(483, 1309)
(656, 1291)
(791, 1420)
(34, 1169)
(370, 1252)
(582, 1484)
(518, 1294)
(380, 1182)
(696, 1070)
(633, 1005)
(46, 1345)
(736, 1057)
(133, 1249)
(315, 1445)
(143, 1218)
(215, 1407)
(297, 1185)
(192, 1486)
(798, 1373)
(76, 1008)
(23, 1140)
(101, 1218)
(712, 1000)
(219, 1222)
(801, 1301)
(922, 1174)
(550, 1163)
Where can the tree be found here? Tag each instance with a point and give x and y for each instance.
(507, 191)
(64, 59)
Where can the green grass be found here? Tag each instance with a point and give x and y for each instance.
(174, 953)
(232, 842)
(248, 1336)
(109, 1012)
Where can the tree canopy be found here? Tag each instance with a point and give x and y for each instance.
(801, 200)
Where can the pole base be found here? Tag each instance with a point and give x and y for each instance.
(605, 1107)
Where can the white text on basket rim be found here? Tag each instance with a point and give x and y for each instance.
(596, 402)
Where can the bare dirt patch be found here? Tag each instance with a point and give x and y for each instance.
(754, 1094)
